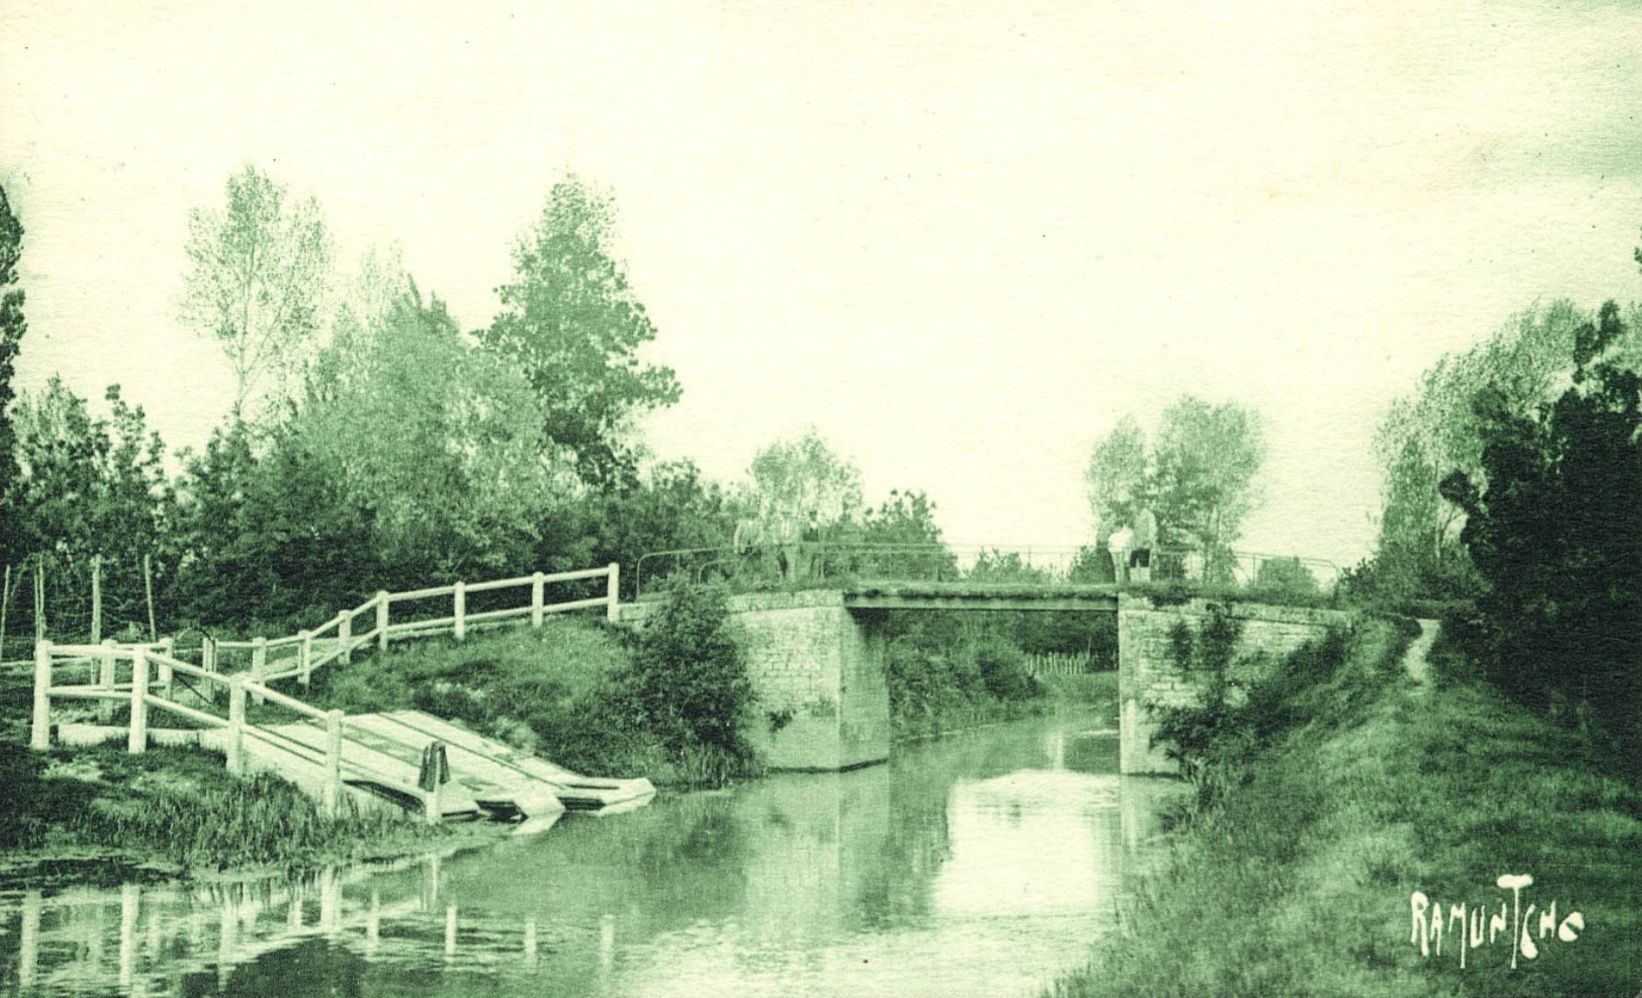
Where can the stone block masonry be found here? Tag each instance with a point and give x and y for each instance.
(823, 700)
(817, 664)
(1148, 673)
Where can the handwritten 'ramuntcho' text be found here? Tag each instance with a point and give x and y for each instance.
(1465, 923)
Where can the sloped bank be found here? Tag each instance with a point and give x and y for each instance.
(1338, 791)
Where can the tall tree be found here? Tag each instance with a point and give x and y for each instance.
(90, 486)
(1435, 430)
(1205, 460)
(12, 327)
(1117, 477)
(257, 277)
(1198, 475)
(795, 479)
(440, 440)
(572, 324)
(1551, 524)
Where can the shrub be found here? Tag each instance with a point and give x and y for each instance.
(687, 680)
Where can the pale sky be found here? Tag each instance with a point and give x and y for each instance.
(961, 239)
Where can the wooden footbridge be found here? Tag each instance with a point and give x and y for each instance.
(403, 759)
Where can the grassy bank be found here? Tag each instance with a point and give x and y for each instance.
(570, 691)
(1294, 874)
(180, 810)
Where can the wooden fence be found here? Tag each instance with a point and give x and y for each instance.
(270, 659)
(1058, 664)
(144, 676)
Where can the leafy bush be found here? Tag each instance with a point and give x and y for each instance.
(945, 670)
(688, 682)
(1002, 670)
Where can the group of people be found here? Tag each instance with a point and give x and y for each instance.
(1131, 548)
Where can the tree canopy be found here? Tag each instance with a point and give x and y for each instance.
(1198, 474)
(1552, 525)
(573, 326)
(1436, 429)
(440, 440)
(258, 270)
(792, 479)
(12, 327)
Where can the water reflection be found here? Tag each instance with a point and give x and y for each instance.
(981, 864)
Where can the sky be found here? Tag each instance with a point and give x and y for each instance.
(960, 239)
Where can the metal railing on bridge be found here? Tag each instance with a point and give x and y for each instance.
(801, 563)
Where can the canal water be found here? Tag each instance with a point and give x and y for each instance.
(982, 864)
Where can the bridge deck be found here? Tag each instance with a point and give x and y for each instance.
(969, 596)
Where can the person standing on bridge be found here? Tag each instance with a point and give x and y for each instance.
(1140, 560)
(1117, 545)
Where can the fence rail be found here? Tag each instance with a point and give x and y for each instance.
(1058, 664)
(298, 655)
(143, 677)
(147, 684)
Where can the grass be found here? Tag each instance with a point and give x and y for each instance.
(551, 691)
(1295, 878)
(180, 809)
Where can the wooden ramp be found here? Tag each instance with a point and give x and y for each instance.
(396, 758)
(299, 757)
(481, 763)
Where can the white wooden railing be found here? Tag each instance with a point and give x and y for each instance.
(298, 655)
(143, 675)
(147, 685)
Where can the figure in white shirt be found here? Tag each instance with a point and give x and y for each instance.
(1117, 545)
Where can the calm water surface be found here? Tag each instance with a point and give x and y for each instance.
(982, 864)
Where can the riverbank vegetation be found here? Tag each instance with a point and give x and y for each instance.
(945, 673)
(1341, 801)
(179, 809)
(670, 702)
(1338, 789)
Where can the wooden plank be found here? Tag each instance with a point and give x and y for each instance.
(570, 784)
(466, 764)
(362, 762)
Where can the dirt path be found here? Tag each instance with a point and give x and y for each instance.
(1414, 659)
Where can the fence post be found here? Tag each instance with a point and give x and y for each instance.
(536, 583)
(333, 762)
(381, 620)
(613, 590)
(307, 661)
(138, 740)
(460, 592)
(96, 598)
(105, 680)
(40, 733)
(208, 653)
(236, 724)
(259, 662)
(168, 649)
(344, 635)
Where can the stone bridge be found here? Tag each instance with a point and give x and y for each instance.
(817, 659)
